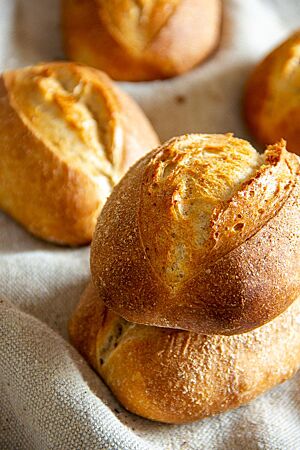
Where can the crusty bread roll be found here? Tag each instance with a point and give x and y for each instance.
(202, 234)
(141, 40)
(178, 376)
(272, 104)
(67, 135)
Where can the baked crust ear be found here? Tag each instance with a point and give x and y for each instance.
(202, 234)
(67, 136)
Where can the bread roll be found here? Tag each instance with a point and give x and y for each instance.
(178, 376)
(202, 234)
(272, 104)
(142, 40)
(67, 135)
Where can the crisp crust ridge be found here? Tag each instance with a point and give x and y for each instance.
(67, 136)
(238, 285)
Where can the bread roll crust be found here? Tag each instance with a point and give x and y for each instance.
(271, 103)
(141, 40)
(177, 376)
(67, 136)
(235, 280)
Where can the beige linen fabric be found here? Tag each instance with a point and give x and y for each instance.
(49, 397)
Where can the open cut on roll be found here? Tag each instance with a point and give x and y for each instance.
(202, 234)
(67, 135)
(141, 40)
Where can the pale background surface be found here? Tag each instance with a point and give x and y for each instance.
(50, 398)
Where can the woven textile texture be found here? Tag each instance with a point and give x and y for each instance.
(49, 397)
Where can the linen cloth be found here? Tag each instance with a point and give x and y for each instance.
(49, 397)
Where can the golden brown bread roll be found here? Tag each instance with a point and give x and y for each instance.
(67, 135)
(141, 40)
(178, 376)
(202, 234)
(272, 101)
